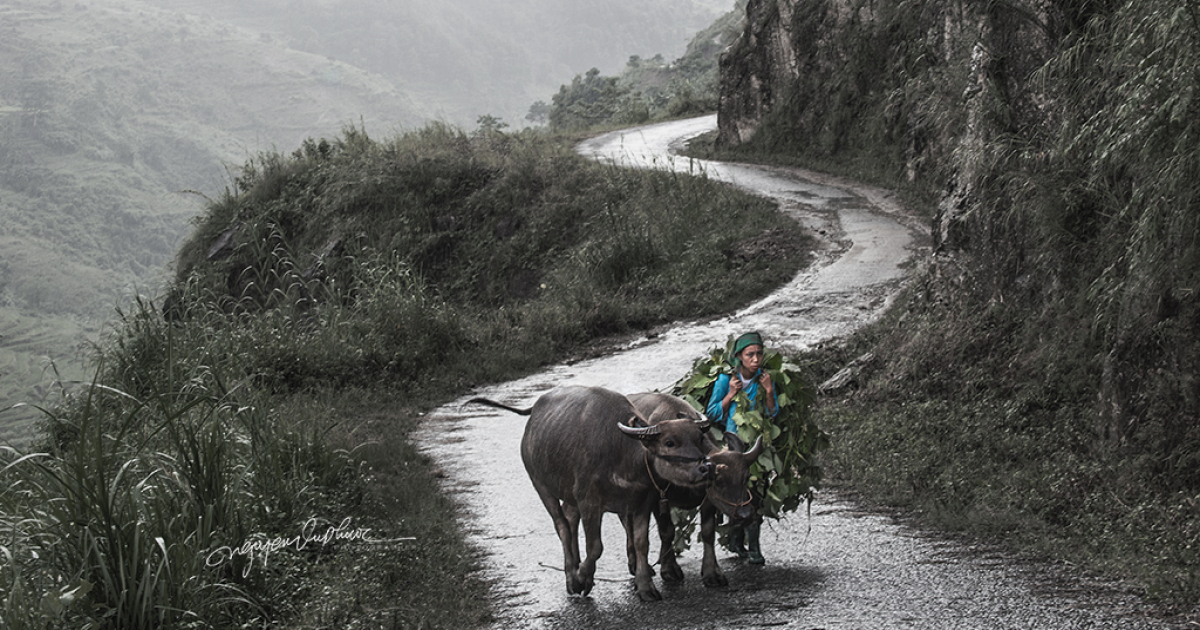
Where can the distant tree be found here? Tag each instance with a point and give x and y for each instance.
(489, 125)
(591, 100)
(539, 113)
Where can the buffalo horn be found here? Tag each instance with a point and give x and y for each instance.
(640, 432)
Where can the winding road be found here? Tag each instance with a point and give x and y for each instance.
(840, 567)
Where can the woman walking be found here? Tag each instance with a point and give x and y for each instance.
(749, 377)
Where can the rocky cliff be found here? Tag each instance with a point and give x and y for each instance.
(922, 86)
(1060, 143)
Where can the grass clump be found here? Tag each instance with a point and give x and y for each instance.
(322, 303)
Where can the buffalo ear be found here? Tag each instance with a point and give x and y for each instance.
(734, 443)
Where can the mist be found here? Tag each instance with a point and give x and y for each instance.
(119, 119)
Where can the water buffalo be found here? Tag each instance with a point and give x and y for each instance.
(728, 491)
(587, 452)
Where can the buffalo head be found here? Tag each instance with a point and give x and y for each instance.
(729, 491)
(675, 449)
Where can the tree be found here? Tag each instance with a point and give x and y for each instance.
(539, 113)
(489, 125)
(591, 100)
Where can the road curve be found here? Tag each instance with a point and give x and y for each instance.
(841, 567)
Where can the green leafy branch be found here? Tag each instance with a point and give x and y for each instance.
(786, 473)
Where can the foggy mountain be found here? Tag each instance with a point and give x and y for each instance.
(117, 118)
(463, 58)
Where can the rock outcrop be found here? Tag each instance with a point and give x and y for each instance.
(924, 86)
(761, 63)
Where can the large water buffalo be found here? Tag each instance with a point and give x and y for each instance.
(587, 452)
(727, 492)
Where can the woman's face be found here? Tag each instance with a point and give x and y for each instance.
(752, 358)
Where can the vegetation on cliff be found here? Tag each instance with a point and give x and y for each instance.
(1039, 380)
(646, 90)
(205, 478)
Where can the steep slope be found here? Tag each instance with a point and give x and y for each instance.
(108, 110)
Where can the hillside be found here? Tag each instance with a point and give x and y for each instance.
(112, 109)
(108, 112)
(647, 88)
(1040, 381)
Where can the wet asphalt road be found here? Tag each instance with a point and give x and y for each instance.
(841, 567)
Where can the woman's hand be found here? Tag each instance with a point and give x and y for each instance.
(735, 386)
(767, 385)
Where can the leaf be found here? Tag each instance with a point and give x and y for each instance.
(773, 362)
(691, 400)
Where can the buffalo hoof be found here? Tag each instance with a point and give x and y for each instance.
(649, 595)
(579, 586)
(715, 580)
(671, 572)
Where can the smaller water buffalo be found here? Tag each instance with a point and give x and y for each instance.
(588, 451)
(727, 492)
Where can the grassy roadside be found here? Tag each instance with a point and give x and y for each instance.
(270, 394)
(424, 574)
(963, 415)
(972, 427)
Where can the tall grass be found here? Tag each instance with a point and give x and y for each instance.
(125, 511)
(113, 521)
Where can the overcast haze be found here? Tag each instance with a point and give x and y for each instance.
(462, 58)
(111, 109)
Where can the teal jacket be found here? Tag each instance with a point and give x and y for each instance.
(720, 388)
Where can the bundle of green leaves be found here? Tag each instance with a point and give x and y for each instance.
(786, 473)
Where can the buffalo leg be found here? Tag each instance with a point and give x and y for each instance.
(630, 551)
(709, 569)
(585, 577)
(565, 519)
(666, 554)
(643, 578)
(572, 515)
